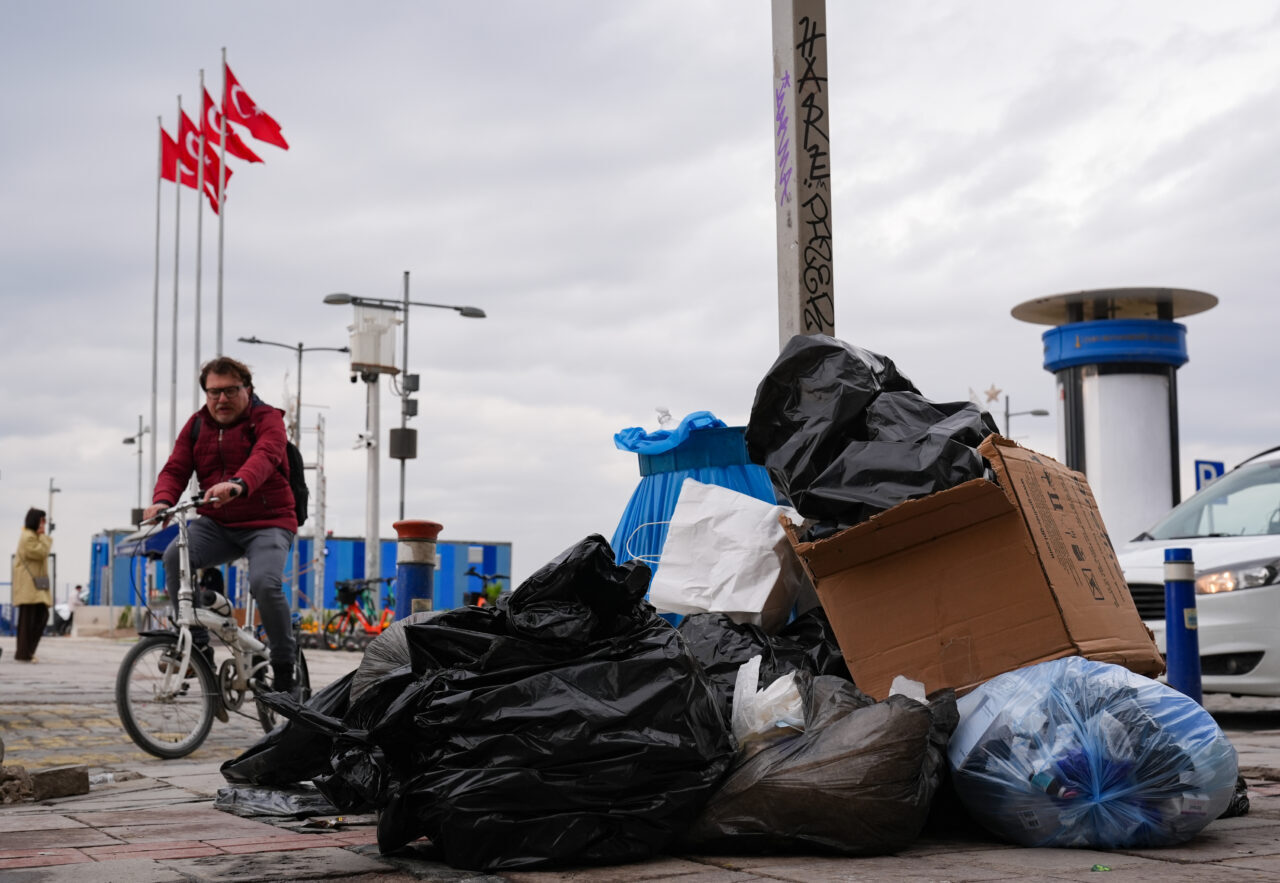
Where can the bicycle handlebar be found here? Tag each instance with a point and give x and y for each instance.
(173, 511)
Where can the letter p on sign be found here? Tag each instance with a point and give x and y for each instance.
(1207, 471)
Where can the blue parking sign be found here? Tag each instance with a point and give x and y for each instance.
(1207, 471)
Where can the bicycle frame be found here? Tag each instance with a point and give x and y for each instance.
(240, 641)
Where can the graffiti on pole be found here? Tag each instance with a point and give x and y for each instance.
(802, 169)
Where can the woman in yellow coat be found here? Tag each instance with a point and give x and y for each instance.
(31, 587)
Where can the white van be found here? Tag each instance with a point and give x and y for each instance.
(1232, 527)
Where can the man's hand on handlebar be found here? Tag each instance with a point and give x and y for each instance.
(221, 493)
(152, 511)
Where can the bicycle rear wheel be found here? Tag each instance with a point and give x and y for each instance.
(171, 721)
(268, 718)
(338, 629)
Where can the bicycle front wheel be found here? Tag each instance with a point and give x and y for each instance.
(165, 714)
(268, 718)
(338, 629)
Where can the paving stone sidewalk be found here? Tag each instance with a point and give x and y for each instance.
(151, 820)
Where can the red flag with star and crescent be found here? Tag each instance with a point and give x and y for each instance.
(240, 109)
(169, 163)
(188, 146)
(211, 121)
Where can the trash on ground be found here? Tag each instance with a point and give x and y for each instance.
(726, 552)
(858, 780)
(979, 579)
(291, 753)
(844, 434)
(568, 724)
(297, 801)
(1085, 754)
(721, 646)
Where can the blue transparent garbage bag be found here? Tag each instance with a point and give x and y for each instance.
(1087, 754)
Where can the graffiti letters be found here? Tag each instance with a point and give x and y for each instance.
(782, 136)
(816, 218)
(809, 87)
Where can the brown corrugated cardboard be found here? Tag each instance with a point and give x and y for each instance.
(971, 582)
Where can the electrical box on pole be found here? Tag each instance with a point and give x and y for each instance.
(802, 169)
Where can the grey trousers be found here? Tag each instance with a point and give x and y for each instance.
(266, 548)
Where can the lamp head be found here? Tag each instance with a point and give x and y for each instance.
(338, 297)
(471, 312)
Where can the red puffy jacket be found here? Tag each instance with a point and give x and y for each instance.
(251, 449)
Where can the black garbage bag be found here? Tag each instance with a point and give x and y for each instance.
(858, 781)
(721, 645)
(844, 434)
(387, 655)
(293, 752)
(567, 725)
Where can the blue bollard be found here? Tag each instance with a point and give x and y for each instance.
(415, 565)
(1181, 640)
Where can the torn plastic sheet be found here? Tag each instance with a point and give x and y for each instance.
(297, 801)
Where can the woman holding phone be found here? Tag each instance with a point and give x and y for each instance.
(31, 587)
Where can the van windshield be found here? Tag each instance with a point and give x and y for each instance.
(1244, 502)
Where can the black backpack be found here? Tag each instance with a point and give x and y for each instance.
(297, 473)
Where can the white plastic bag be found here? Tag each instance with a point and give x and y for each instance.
(726, 552)
(760, 713)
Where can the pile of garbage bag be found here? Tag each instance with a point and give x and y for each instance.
(569, 724)
(844, 434)
(1073, 752)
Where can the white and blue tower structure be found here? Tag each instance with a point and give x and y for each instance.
(1115, 353)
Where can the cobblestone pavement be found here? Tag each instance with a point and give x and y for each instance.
(151, 820)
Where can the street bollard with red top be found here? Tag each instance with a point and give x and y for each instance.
(415, 565)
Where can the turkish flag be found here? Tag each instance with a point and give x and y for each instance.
(189, 146)
(212, 122)
(171, 153)
(169, 163)
(241, 109)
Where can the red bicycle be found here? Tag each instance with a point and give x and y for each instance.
(356, 596)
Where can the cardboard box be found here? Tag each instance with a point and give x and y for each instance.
(984, 578)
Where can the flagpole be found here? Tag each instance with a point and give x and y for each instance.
(195, 388)
(222, 187)
(177, 223)
(155, 298)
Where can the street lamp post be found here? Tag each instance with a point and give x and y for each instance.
(295, 433)
(404, 446)
(136, 439)
(1037, 412)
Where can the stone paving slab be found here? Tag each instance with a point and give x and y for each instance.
(50, 838)
(125, 871)
(311, 864)
(36, 822)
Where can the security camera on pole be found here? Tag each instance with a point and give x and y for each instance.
(372, 353)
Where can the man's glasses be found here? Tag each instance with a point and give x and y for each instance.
(228, 391)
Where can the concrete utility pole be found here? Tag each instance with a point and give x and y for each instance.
(802, 169)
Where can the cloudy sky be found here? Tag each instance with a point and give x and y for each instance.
(597, 176)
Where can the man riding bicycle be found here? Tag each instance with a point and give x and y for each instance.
(235, 445)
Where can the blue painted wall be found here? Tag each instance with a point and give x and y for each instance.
(344, 559)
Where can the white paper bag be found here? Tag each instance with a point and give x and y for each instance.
(726, 552)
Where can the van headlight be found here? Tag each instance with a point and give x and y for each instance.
(1243, 576)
